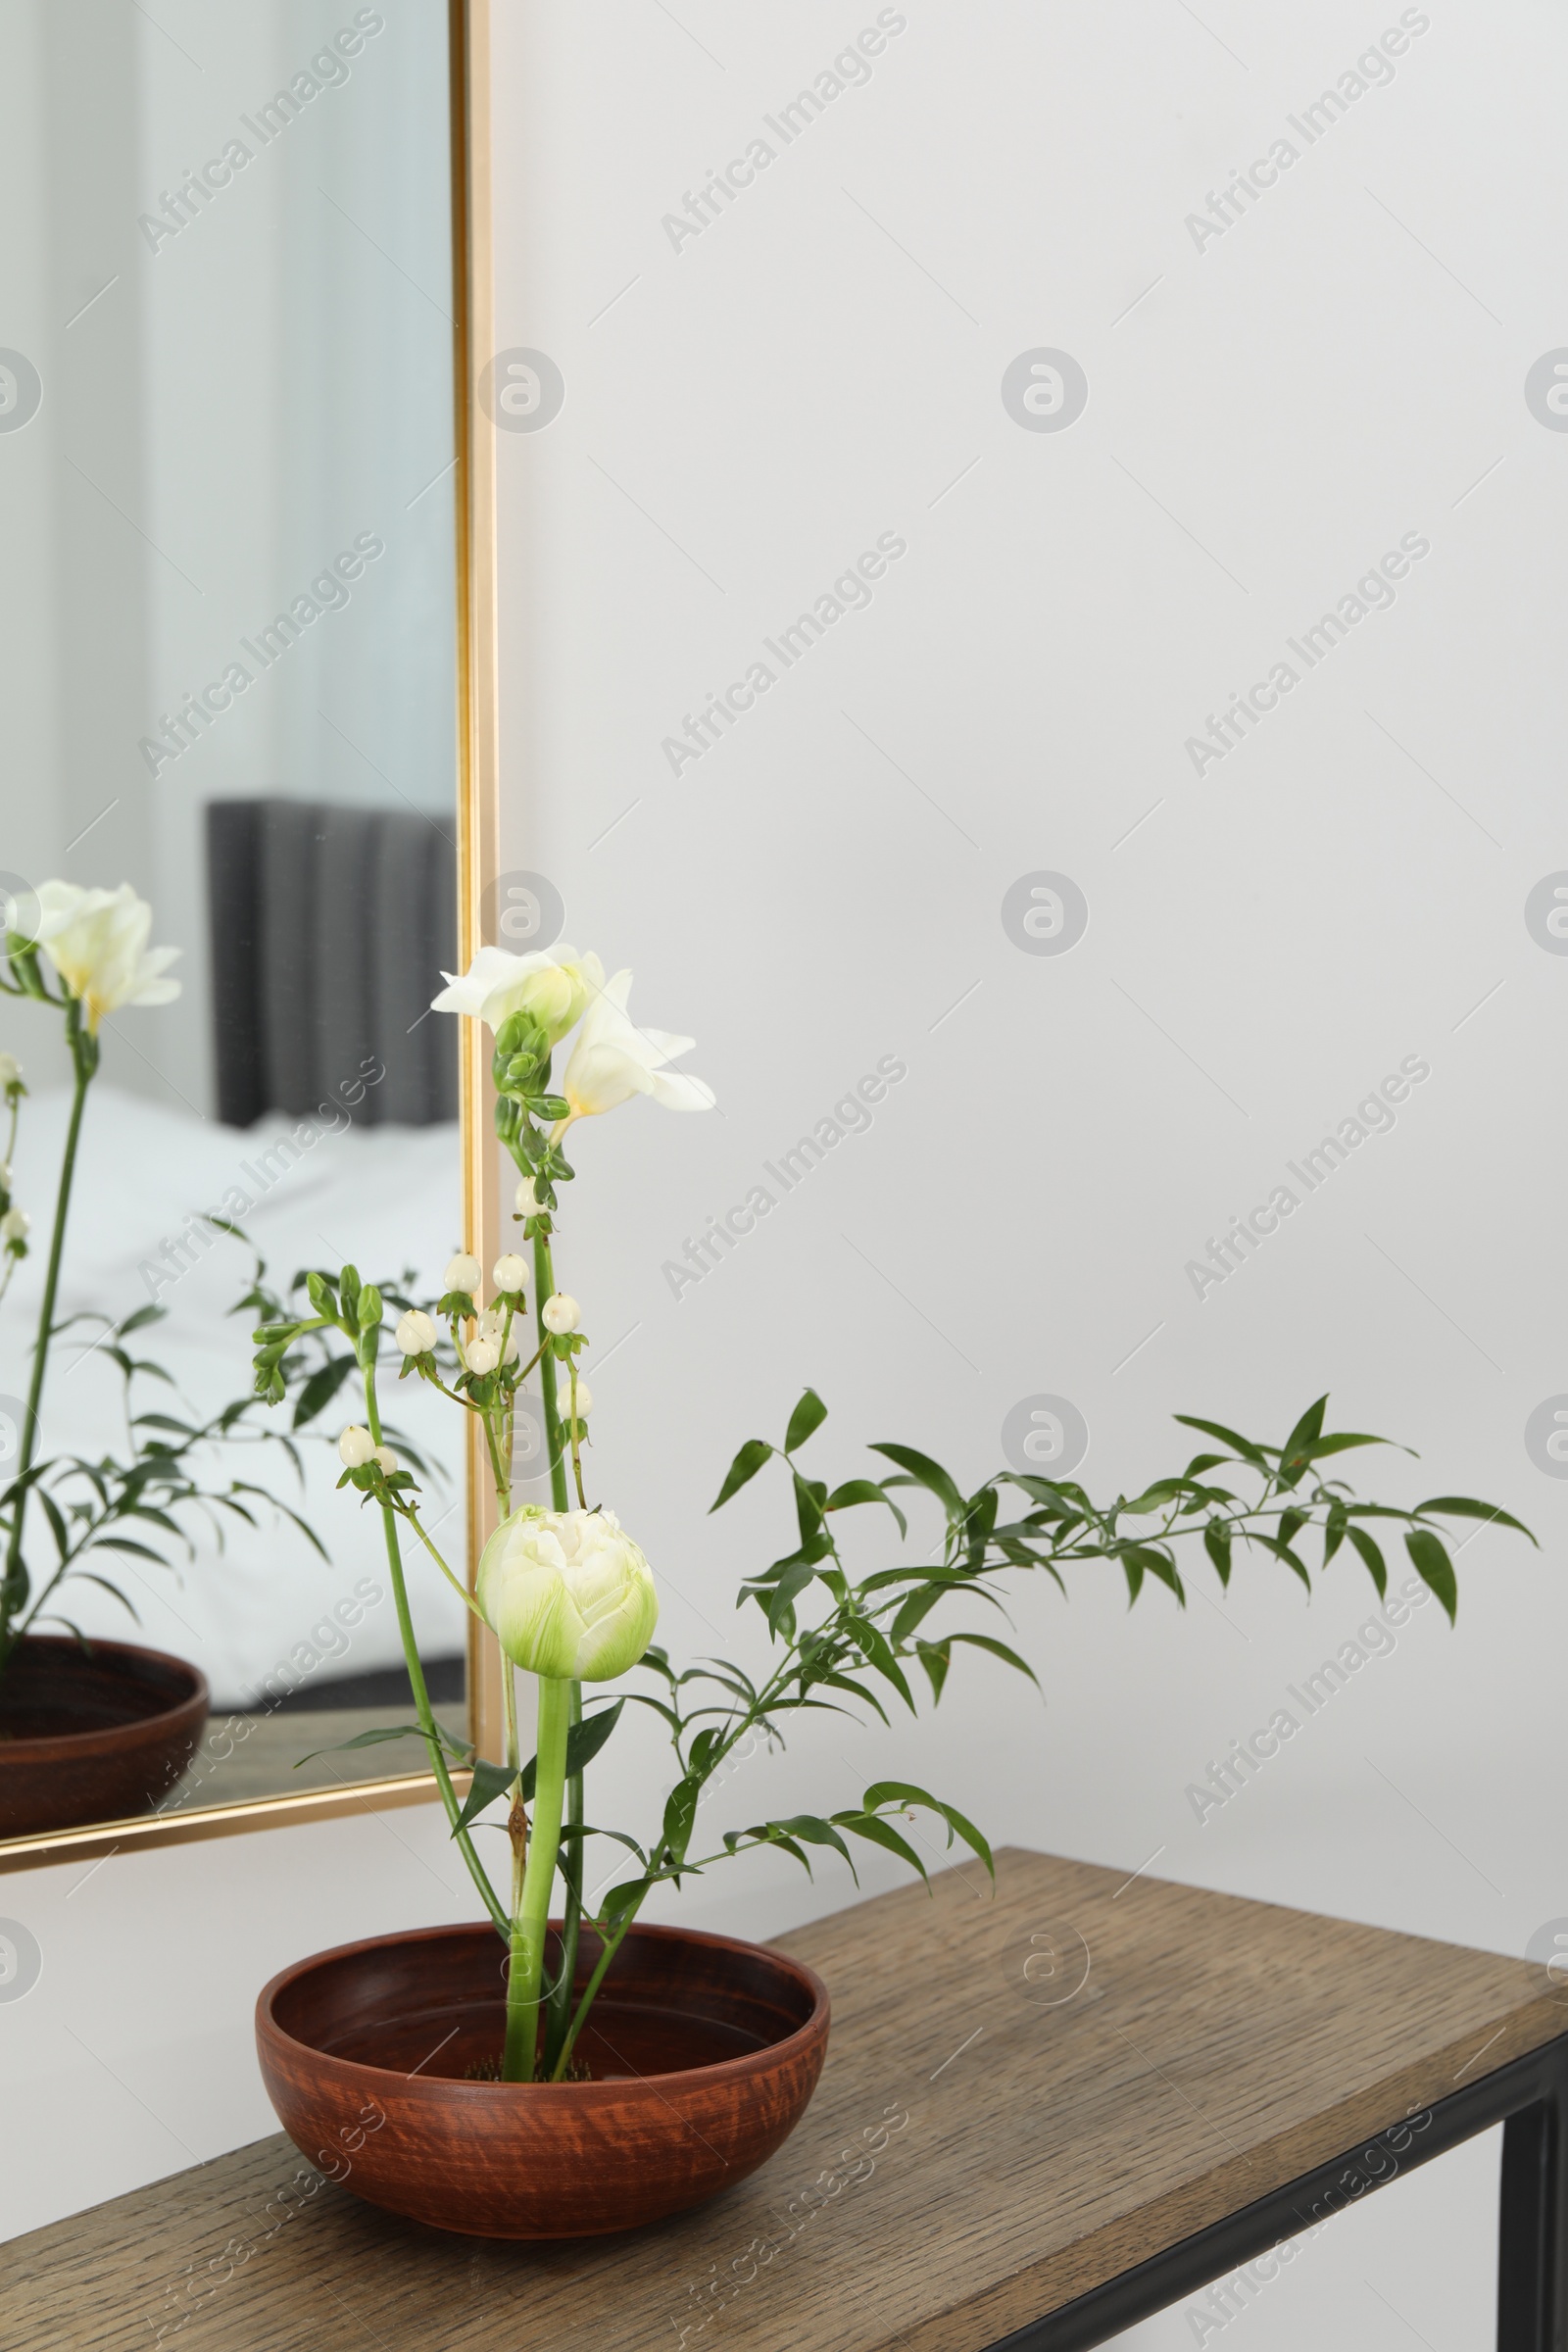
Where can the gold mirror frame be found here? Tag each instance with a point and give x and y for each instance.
(477, 756)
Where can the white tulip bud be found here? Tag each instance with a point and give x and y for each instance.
(567, 1593)
(463, 1273)
(509, 1273)
(415, 1333)
(560, 1312)
(585, 1400)
(14, 1225)
(356, 1447)
(386, 1458)
(481, 1355)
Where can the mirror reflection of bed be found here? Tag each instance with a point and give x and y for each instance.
(336, 1114)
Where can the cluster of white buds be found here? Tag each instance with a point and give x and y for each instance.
(356, 1449)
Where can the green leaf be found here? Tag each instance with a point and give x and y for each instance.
(872, 1642)
(1292, 1461)
(585, 1739)
(1155, 1564)
(808, 1415)
(936, 1657)
(1217, 1545)
(1373, 1557)
(864, 1490)
(1281, 1551)
(881, 1833)
(998, 1649)
(812, 1830)
(747, 1463)
(1465, 1506)
(490, 1781)
(1227, 1436)
(905, 1792)
(320, 1389)
(142, 1316)
(399, 1731)
(926, 1473)
(794, 1579)
(1434, 1567)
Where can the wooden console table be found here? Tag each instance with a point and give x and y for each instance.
(1041, 2118)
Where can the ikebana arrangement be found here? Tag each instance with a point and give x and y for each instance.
(518, 2091)
(94, 1731)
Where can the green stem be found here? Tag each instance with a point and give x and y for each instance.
(560, 2003)
(83, 1055)
(544, 1843)
(558, 2008)
(410, 1658)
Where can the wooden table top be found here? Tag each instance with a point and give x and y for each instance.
(1023, 2097)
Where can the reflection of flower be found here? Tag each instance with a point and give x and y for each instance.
(97, 942)
(567, 1593)
(553, 986)
(613, 1059)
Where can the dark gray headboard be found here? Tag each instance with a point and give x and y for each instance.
(329, 929)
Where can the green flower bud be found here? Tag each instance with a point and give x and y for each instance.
(568, 1594)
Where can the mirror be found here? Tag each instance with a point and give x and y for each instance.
(227, 477)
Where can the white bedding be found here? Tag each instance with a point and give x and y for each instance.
(387, 1198)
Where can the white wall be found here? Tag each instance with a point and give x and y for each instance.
(1267, 414)
(824, 888)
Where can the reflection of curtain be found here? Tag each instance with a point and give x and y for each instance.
(330, 927)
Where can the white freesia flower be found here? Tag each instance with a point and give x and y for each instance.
(415, 1333)
(585, 1400)
(14, 1225)
(613, 1059)
(97, 942)
(356, 1447)
(567, 1593)
(560, 1312)
(509, 1273)
(552, 985)
(463, 1273)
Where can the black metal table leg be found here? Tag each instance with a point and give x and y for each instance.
(1532, 2225)
(1527, 2096)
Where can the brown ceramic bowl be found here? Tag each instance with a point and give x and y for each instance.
(92, 1734)
(703, 2054)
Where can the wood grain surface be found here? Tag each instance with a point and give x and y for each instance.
(994, 2132)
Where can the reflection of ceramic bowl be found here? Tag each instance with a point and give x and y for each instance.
(704, 2053)
(92, 1735)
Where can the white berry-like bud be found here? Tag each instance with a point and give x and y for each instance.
(481, 1356)
(415, 1333)
(14, 1225)
(463, 1273)
(509, 1272)
(585, 1402)
(386, 1458)
(527, 1202)
(356, 1447)
(560, 1312)
(10, 1069)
